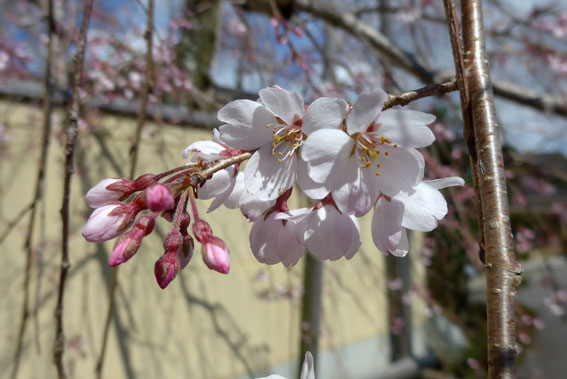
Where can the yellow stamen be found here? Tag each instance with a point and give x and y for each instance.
(377, 173)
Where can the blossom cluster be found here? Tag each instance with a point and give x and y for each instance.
(349, 159)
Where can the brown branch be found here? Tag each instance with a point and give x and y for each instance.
(71, 138)
(134, 149)
(468, 125)
(352, 24)
(503, 273)
(405, 98)
(39, 187)
(201, 176)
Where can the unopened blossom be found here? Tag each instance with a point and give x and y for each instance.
(129, 243)
(273, 126)
(419, 209)
(166, 269)
(216, 255)
(99, 195)
(110, 190)
(159, 197)
(215, 252)
(364, 152)
(106, 223)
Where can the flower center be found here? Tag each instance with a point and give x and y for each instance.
(367, 149)
(286, 139)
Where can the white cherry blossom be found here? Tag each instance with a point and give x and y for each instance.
(419, 209)
(371, 152)
(273, 126)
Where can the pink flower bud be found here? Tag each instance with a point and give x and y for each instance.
(159, 197)
(107, 222)
(100, 195)
(173, 242)
(128, 244)
(124, 249)
(186, 252)
(216, 255)
(166, 269)
(202, 231)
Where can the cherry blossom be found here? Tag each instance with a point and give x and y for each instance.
(419, 209)
(273, 126)
(366, 152)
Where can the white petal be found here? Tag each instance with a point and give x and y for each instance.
(356, 195)
(355, 242)
(401, 169)
(365, 110)
(325, 112)
(331, 235)
(221, 198)
(311, 188)
(387, 231)
(246, 125)
(326, 151)
(99, 196)
(451, 181)
(403, 246)
(217, 184)
(233, 200)
(295, 215)
(252, 207)
(406, 128)
(288, 246)
(267, 178)
(287, 105)
(262, 234)
(205, 150)
(308, 368)
(425, 206)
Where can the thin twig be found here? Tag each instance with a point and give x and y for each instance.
(134, 149)
(39, 186)
(12, 224)
(405, 98)
(503, 273)
(71, 138)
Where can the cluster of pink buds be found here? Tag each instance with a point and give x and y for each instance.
(119, 202)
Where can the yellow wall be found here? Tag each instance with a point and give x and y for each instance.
(204, 325)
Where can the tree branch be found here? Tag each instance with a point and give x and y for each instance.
(503, 273)
(71, 138)
(383, 46)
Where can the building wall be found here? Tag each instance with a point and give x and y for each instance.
(204, 325)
